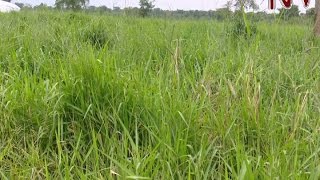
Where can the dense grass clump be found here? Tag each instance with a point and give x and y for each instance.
(97, 36)
(103, 97)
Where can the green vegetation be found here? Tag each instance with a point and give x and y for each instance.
(294, 11)
(87, 96)
(70, 4)
(146, 7)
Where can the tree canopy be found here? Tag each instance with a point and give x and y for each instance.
(145, 7)
(71, 4)
(246, 4)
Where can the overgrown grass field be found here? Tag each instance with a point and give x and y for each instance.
(87, 96)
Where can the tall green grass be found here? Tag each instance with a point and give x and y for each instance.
(99, 97)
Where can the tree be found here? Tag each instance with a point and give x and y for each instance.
(311, 12)
(245, 4)
(91, 8)
(317, 25)
(145, 7)
(116, 8)
(222, 13)
(228, 5)
(103, 9)
(20, 5)
(71, 4)
(289, 13)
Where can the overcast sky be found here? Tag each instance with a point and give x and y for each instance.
(171, 4)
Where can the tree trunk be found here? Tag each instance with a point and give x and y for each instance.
(317, 24)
